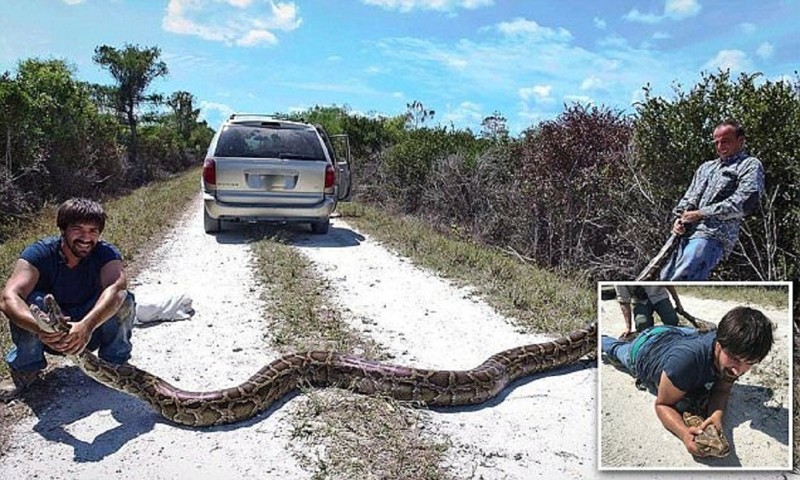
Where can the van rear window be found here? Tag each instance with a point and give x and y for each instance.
(269, 142)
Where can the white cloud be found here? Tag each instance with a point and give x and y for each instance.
(233, 22)
(455, 62)
(405, 6)
(748, 28)
(678, 9)
(464, 114)
(765, 50)
(532, 30)
(254, 37)
(733, 60)
(376, 70)
(673, 10)
(599, 23)
(552, 66)
(614, 41)
(538, 93)
(661, 36)
(636, 16)
(214, 113)
(593, 83)
(73, 2)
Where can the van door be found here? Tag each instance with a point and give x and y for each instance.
(341, 145)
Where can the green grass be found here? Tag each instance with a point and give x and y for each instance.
(540, 300)
(135, 224)
(775, 297)
(301, 318)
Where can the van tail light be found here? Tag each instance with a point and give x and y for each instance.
(209, 174)
(330, 176)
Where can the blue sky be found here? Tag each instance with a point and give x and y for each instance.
(462, 58)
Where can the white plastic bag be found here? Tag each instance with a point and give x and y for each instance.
(166, 308)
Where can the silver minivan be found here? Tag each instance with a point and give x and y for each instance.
(259, 168)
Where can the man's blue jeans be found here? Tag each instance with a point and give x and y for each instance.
(618, 349)
(693, 259)
(112, 339)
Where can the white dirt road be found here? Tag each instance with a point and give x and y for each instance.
(543, 427)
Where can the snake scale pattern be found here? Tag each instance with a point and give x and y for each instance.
(327, 368)
(711, 441)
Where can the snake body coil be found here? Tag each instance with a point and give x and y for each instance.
(327, 368)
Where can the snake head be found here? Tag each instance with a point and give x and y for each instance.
(52, 319)
(711, 441)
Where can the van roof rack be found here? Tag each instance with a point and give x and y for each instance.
(238, 115)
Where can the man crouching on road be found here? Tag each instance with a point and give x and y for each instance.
(679, 361)
(86, 277)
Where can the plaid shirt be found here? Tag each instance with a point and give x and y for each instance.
(724, 190)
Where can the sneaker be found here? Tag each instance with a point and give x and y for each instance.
(16, 384)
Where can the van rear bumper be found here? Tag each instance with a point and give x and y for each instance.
(269, 213)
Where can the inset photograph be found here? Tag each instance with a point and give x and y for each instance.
(695, 376)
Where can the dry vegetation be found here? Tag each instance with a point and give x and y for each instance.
(344, 435)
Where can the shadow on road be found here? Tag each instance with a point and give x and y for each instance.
(566, 370)
(290, 234)
(66, 396)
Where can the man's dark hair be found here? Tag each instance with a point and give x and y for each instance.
(737, 127)
(746, 333)
(80, 210)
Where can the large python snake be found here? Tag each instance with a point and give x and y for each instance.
(326, 368)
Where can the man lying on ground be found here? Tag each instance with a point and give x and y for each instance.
(678, 362)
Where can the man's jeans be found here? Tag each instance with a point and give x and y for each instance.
(112, 339)
(693, 259)
(619, 350)
(643, 314)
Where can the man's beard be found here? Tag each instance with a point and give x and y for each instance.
(729, 376)
(80, 249)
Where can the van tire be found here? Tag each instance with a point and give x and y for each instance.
(211, 225)
(321, 228)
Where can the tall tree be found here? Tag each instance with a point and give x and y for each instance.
(133, 68)
(417, 114)
(495, 127)
(184, 113)
(14, 105)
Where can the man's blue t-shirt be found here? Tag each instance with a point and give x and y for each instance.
(686, 357)
(73, 288)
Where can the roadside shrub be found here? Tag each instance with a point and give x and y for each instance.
(571, 171)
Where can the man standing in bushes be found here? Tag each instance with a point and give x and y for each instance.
(709, 215)
(86, 277)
